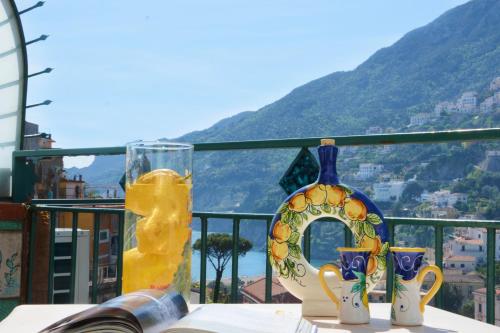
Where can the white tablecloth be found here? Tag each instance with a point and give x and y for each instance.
(32, 318)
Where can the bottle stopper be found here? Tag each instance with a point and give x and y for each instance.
(327, 142)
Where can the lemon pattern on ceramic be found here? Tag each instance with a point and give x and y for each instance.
(161, 199)
(319, 200)
(360, 288)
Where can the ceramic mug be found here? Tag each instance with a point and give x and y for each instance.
(407, 305)
(353, 305)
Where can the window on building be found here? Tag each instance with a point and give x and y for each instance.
(480, 248)
(102, 273)
(107, 272)
(104, 236)
(114, 245)
(111, 272)
(463, 248)
(462, 265)
(480, 308)
(452, 265)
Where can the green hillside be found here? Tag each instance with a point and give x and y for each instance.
(457, 52)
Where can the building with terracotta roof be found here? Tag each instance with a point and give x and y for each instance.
(465, 263)
(466, 284)
(480, 305)
(255, 292)
(471, 241)
(462, 246)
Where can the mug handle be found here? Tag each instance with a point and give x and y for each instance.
(322, 281)
(435, 287)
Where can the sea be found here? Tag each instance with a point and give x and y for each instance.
(253, 264)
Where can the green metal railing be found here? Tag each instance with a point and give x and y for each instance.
(74, 210)
(99, 207)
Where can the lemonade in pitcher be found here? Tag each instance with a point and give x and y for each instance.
(158, 202)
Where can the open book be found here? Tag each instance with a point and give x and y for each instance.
(153, 311)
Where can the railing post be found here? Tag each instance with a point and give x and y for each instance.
(490, 276)
(389, 274)
(74, 246)
(234, 265)
(95, 256)
(438, 250)
(347, 236)
(20, 180)
(307, 243)
(203, 260)
(269, 272)
(52, 244)
(119, 262)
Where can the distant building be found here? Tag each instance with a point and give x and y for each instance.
(443, 212)
(374, 130)
(443, 198)
(471, 239)
(420, 119)
(38, 141)
(33, 140)
(464, 263)
(467, 103)
(348, 150)
(388, 191)
(386, 149)
(71, 188)
(463, 247)
(444, 107)
(492, 161)
(497, 240)
(475, 233)
(107, 250)
(496, 98)
(464, 283)
(487, 105)
(30, 128)
(469, 217)
(480, 305)
(368, 170)
(46, 172)
(495, 84)
(255, 292)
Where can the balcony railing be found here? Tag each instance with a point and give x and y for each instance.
(115, 207)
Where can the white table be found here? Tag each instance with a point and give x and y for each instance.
(32, 318)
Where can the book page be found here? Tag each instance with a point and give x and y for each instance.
(221, 318)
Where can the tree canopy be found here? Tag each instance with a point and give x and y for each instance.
(219, 252)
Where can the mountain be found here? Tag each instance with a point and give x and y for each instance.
(104, 173)
(457, 52)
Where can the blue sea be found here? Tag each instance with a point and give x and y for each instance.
(251, 265)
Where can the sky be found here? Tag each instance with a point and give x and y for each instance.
(129, 70)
